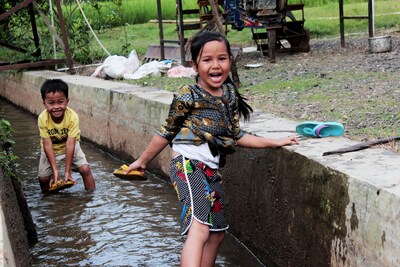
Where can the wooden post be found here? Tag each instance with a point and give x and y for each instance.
(31, 12)
(181, 33)
(341, 20)
(65, 38)
(272, 44)
(371, 18)
(160, 28)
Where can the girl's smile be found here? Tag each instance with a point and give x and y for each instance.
(213, 66)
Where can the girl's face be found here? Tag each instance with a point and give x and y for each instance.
(213, 66)
(56, 104)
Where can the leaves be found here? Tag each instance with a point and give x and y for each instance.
(7, 157)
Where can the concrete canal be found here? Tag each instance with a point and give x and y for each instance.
(123, 223)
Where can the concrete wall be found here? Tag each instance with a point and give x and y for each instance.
(6, 252)
(14, 243)
(291, 206)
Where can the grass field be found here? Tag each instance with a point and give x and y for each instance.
(322, 21)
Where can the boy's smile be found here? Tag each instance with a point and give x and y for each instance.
(56, 104)
(213, 66)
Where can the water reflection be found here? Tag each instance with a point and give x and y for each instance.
(122, 223)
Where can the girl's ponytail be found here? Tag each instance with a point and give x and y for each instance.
(244, 108)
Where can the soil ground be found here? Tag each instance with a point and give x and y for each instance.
(350, 85)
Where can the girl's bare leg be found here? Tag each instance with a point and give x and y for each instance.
(192, 252)
(211, 247)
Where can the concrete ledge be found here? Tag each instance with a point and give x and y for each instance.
(6, 252)
(14, 244)
(291, 206)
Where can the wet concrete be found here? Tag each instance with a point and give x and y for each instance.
(302, 240)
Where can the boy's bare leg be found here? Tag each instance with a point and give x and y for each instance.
(45, 183)
(211, 247)
(87, 177)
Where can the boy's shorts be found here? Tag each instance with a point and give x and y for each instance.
(78, 160)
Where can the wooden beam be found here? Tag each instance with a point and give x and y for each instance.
(13, 47)
(64, 32)
(15, 9)
(29, 65)
(51, 28)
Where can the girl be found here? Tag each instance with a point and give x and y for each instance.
(202, 127)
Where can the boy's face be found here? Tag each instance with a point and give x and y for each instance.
(56, 104)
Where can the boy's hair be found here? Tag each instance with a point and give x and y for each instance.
(53, 86)
(196, 48)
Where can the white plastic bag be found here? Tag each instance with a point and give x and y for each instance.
(117, 66)
(152, 68)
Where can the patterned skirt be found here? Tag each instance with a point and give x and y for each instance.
(199, 191)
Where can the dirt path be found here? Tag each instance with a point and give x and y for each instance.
(350, 85)
(330, 83)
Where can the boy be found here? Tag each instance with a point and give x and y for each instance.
(60, 135)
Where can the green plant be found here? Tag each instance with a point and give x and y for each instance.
(122, 25)
(7, 157)
(15, 31)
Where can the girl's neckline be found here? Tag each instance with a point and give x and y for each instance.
(211, 95)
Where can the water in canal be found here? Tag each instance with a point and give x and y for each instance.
(122, 223)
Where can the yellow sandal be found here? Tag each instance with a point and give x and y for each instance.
(61, 185)
(132, 175)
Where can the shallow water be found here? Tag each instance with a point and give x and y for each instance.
(122, 223)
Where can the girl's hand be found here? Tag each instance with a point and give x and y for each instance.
(286, 141)
(136, 166)
(252, 141)
(290, 140)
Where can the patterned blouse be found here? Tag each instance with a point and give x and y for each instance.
(196, 117)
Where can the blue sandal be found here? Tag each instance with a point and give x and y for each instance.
(320, 129)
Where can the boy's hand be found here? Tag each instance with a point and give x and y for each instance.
(56, 177)
(68, 177)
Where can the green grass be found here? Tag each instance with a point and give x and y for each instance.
(136, 33)
(106, 14)
(322, 21)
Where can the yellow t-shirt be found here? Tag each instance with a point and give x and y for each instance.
(59, 132)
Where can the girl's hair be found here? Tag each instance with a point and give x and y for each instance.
(196, 48)
(53, 86)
